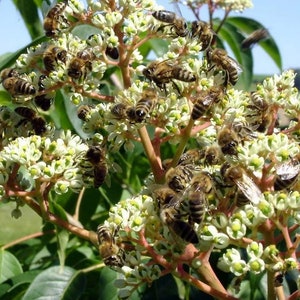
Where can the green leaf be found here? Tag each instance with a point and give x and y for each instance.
(16, 287)
(9, 266)
(57, 283)
(63, 239)
(9, 59)
(269, 45)
(159, 46)
(163, 288)
(29, 13)
(231, 35)
(59, 114)
(106, 287)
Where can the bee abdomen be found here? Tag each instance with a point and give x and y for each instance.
(185, 231)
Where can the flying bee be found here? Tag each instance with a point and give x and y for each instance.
(220, 59)
(165, 71)
(178, 25)
(83, 111)
(228, 140)
(237, 176)
(8, 72)
(287, 174)
(80, 65)
(254, 38)
(204, 33)
(95, 155)
(54, 18)
(179, 177)
(52, 56)
(18, 87)
(205, 101)
(37, 122)
(145, 105)
(111, 253)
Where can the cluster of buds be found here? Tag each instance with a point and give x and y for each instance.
(232, 179)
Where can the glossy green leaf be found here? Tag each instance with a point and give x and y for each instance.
(29, 13)
(9, 265)
(231, 35)
(106, 285)
(57, 283)
(247, 25)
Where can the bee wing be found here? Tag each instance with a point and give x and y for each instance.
(249, 189)
(235, 64)
(288, 170)
(208, 100)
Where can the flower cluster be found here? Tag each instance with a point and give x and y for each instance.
(231, 175)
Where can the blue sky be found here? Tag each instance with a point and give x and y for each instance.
(281, 18)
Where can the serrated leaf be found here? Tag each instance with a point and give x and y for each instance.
(269, 45)
(56, 283)
(29, 13)
(231, 35)
(9, 266)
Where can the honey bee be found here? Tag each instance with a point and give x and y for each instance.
(220, 59)
(145, 105)
(43, 101)
(95, 155)
(37, 122)
(228, 140)
(262, 114)
(179, 177)
(204, 33)
(178, 25)
(81, 64)
(54, 18)
(192, 156)
(83, 111)
(112, 52)
(205, 101)
(201, 186)
(111, 253)
(254, 38)
(123, 111)
(213, 155)
(237, 175)
(171, 217)
(169, 204)
(18, 87)
(8, 72)
(287, 174)
(165, 71)
(52, 56)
